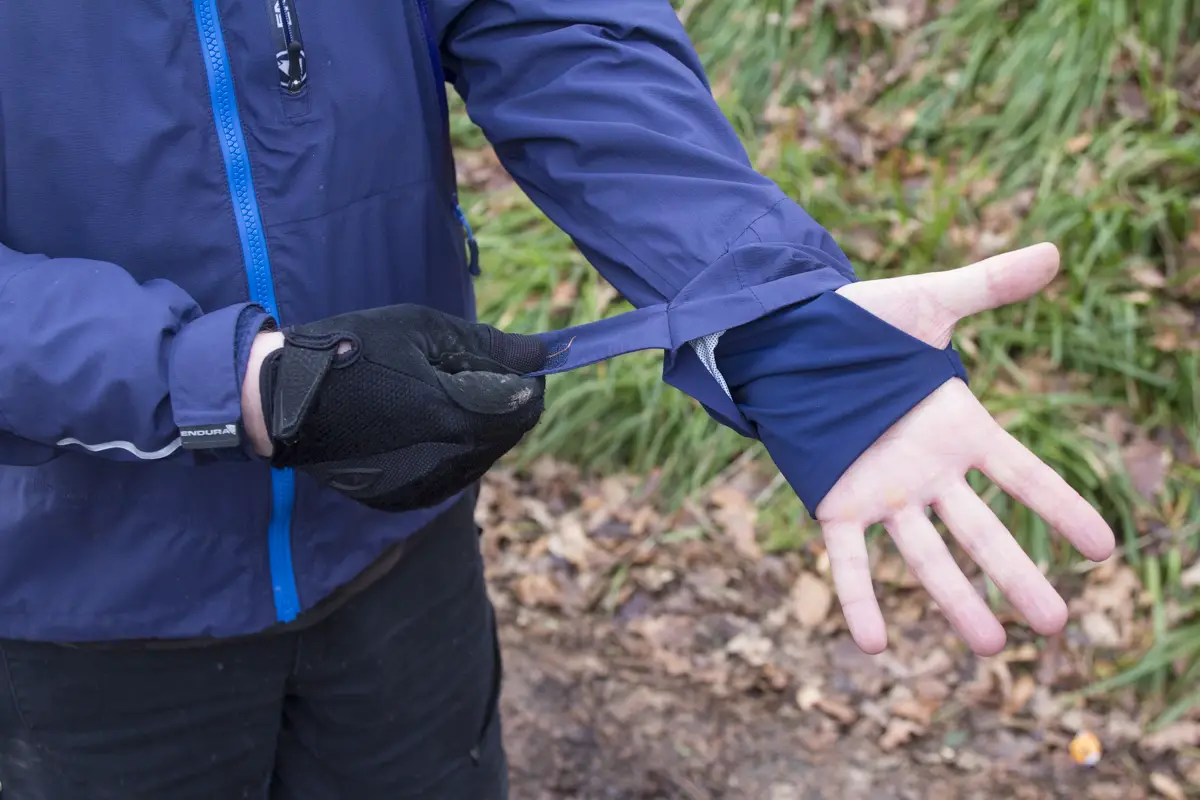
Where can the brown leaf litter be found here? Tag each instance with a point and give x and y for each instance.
(653, 655)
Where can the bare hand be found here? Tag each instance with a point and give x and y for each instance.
(252, 409)
(922, 461)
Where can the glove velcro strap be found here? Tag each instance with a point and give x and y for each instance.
(297, 379)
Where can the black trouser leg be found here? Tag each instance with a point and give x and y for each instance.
(136, 724)
(395, 696)
(392, 696)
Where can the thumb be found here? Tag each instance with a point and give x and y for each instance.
(994, 282)
(518, 351)
(494, 395)
(929, 305)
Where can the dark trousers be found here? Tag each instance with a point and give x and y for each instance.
(392, 695)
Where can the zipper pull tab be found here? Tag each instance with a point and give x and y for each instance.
(289, 45)
(472, 245)
(295, 72)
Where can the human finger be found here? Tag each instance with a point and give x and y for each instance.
(846, 545)
(495, 397)
(996, 281)
(994, 549)
(928, 557)
(1027, 478)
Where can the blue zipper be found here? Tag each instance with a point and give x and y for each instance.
(258, 273)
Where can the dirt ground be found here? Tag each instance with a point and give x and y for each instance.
(652, 656)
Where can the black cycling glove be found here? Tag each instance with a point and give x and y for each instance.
(420, 406)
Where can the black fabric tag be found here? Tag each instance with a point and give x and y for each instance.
(209, 437)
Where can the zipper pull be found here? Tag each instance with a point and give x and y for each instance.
(472, 245)
(295, 71)
(289, 45)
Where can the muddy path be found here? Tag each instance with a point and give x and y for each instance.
(651, 656)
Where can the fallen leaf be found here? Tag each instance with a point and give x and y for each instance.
(837, 709)
(1166, 340)
(654, 578)
(811, 600)
(1177, 736)
(751, 646)
(931, 690)
(1147, 463)
(1005, 746)
(1147, 274)
(1022, 691)
(979, 190)
(855, 146)
(1190, 577)
(1110, 791)
(807, 696)
(898, 732)
(1023, 653)
(936, 662)
(570, 543)
(775, 677)
(982, 686)
(898, 16)
(539, 512)
(1077, 144)
(854, 669)
(1190, 767)
(481, 169)
(1100, 630)
(1167, 786)
(564, 295)
(862, 242)
(738, 519)
(1132, 104)
(915, 710)
(1113, 593)
(784, 791)
(670, 638)
(537, 590)
(991, 243)
(605, 293)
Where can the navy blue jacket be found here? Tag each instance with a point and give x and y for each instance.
(173, 173)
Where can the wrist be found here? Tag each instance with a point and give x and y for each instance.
(253, 421)
(824, 381)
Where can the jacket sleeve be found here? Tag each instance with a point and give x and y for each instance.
(601, 112)
(92, 361)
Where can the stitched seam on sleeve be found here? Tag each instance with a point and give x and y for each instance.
(737, 271)
(705, 347)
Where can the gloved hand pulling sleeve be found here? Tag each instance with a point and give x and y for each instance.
(399, 407)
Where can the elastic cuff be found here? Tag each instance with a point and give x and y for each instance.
(251, 322)
(205, 373)
(823, 381)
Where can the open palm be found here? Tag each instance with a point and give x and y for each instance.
(922, 462)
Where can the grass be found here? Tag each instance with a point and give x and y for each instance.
(1003, 123)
